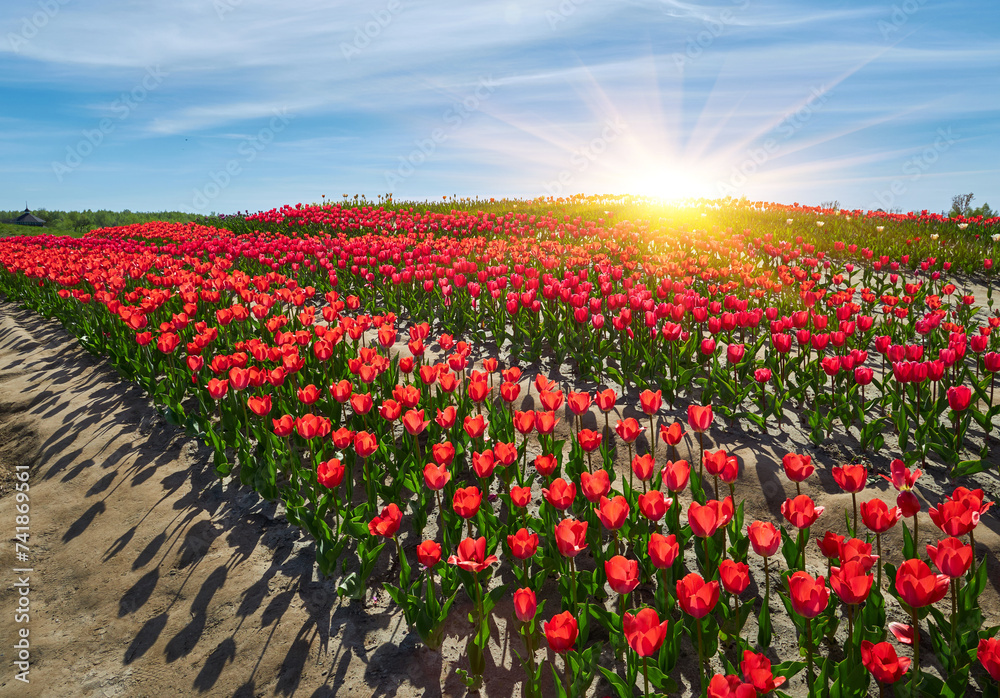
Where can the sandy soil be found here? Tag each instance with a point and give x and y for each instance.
(152, 577)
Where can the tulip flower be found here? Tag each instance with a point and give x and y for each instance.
(330, 473)
(595, 486)
(545, 464)
(809, 598)
(723, 686)
(675, 475)
(520, 496)
(622, 574)
(571, 537)
(882, 662)
(613, 512)
(797, 468)
(561, 632)
(756, 669)
(429, 553)
(523, 544)
(387, 522)
(472, 555)
(663, 550)
(851, 478)
(697, 598)
(653, 505)
(525, 605)
(735, 576)
(560, 494)
(644, 632)
(917, 586)
(466, 502)
(643, 467)
(988, 654)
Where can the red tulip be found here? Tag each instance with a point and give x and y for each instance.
(436, 476)
(613, 512)
(951, 556)
(475, 427)
(959, 397)
(523, 544)
(800, 511)
(734, 353)
(386, 523)
(466, 501)
(699, 417)
(809, 596)
(650, 401)
(330, 473)
(663, 550)
(653, 505)
(545, 422)
(675, 475)
(988, 655)
(429, 553)
(643, 466)
(589, 440)
(902, 478)
(715, 461)
(595, 486)
(954, 518)
(918, 586)
(571, 537)
(756, 669)
(578, 402)
(764, 538)
(525, 604)
(850, 478)
(446, 418)
(721, 686)
(644, 632)
(443, 453)
(735, 576)
(545, 464)
(365, 444)
(883, 663)
(561, 632)
(878, 517)
(606, 399)
(520, 496)
(390, 410)
(560, 493)
(829, 545)
(797, 467)
(472, 555)
(705, 519)
(672, 434)
(851, 582)
(628, 430)
(414, 422)
(854, 549)
(622, 574)
(696, 596)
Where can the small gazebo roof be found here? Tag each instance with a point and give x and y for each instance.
(28, 218)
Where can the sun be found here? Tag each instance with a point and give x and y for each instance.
(668, 183)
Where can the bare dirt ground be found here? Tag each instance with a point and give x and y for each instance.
(152, 577)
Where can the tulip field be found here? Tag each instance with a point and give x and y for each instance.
(515, 406)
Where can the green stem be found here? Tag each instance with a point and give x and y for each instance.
(809, 653)
(915, 681)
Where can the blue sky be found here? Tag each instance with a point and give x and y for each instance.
(227, 105)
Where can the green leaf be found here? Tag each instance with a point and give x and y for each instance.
(969, 467)
(617, 683)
